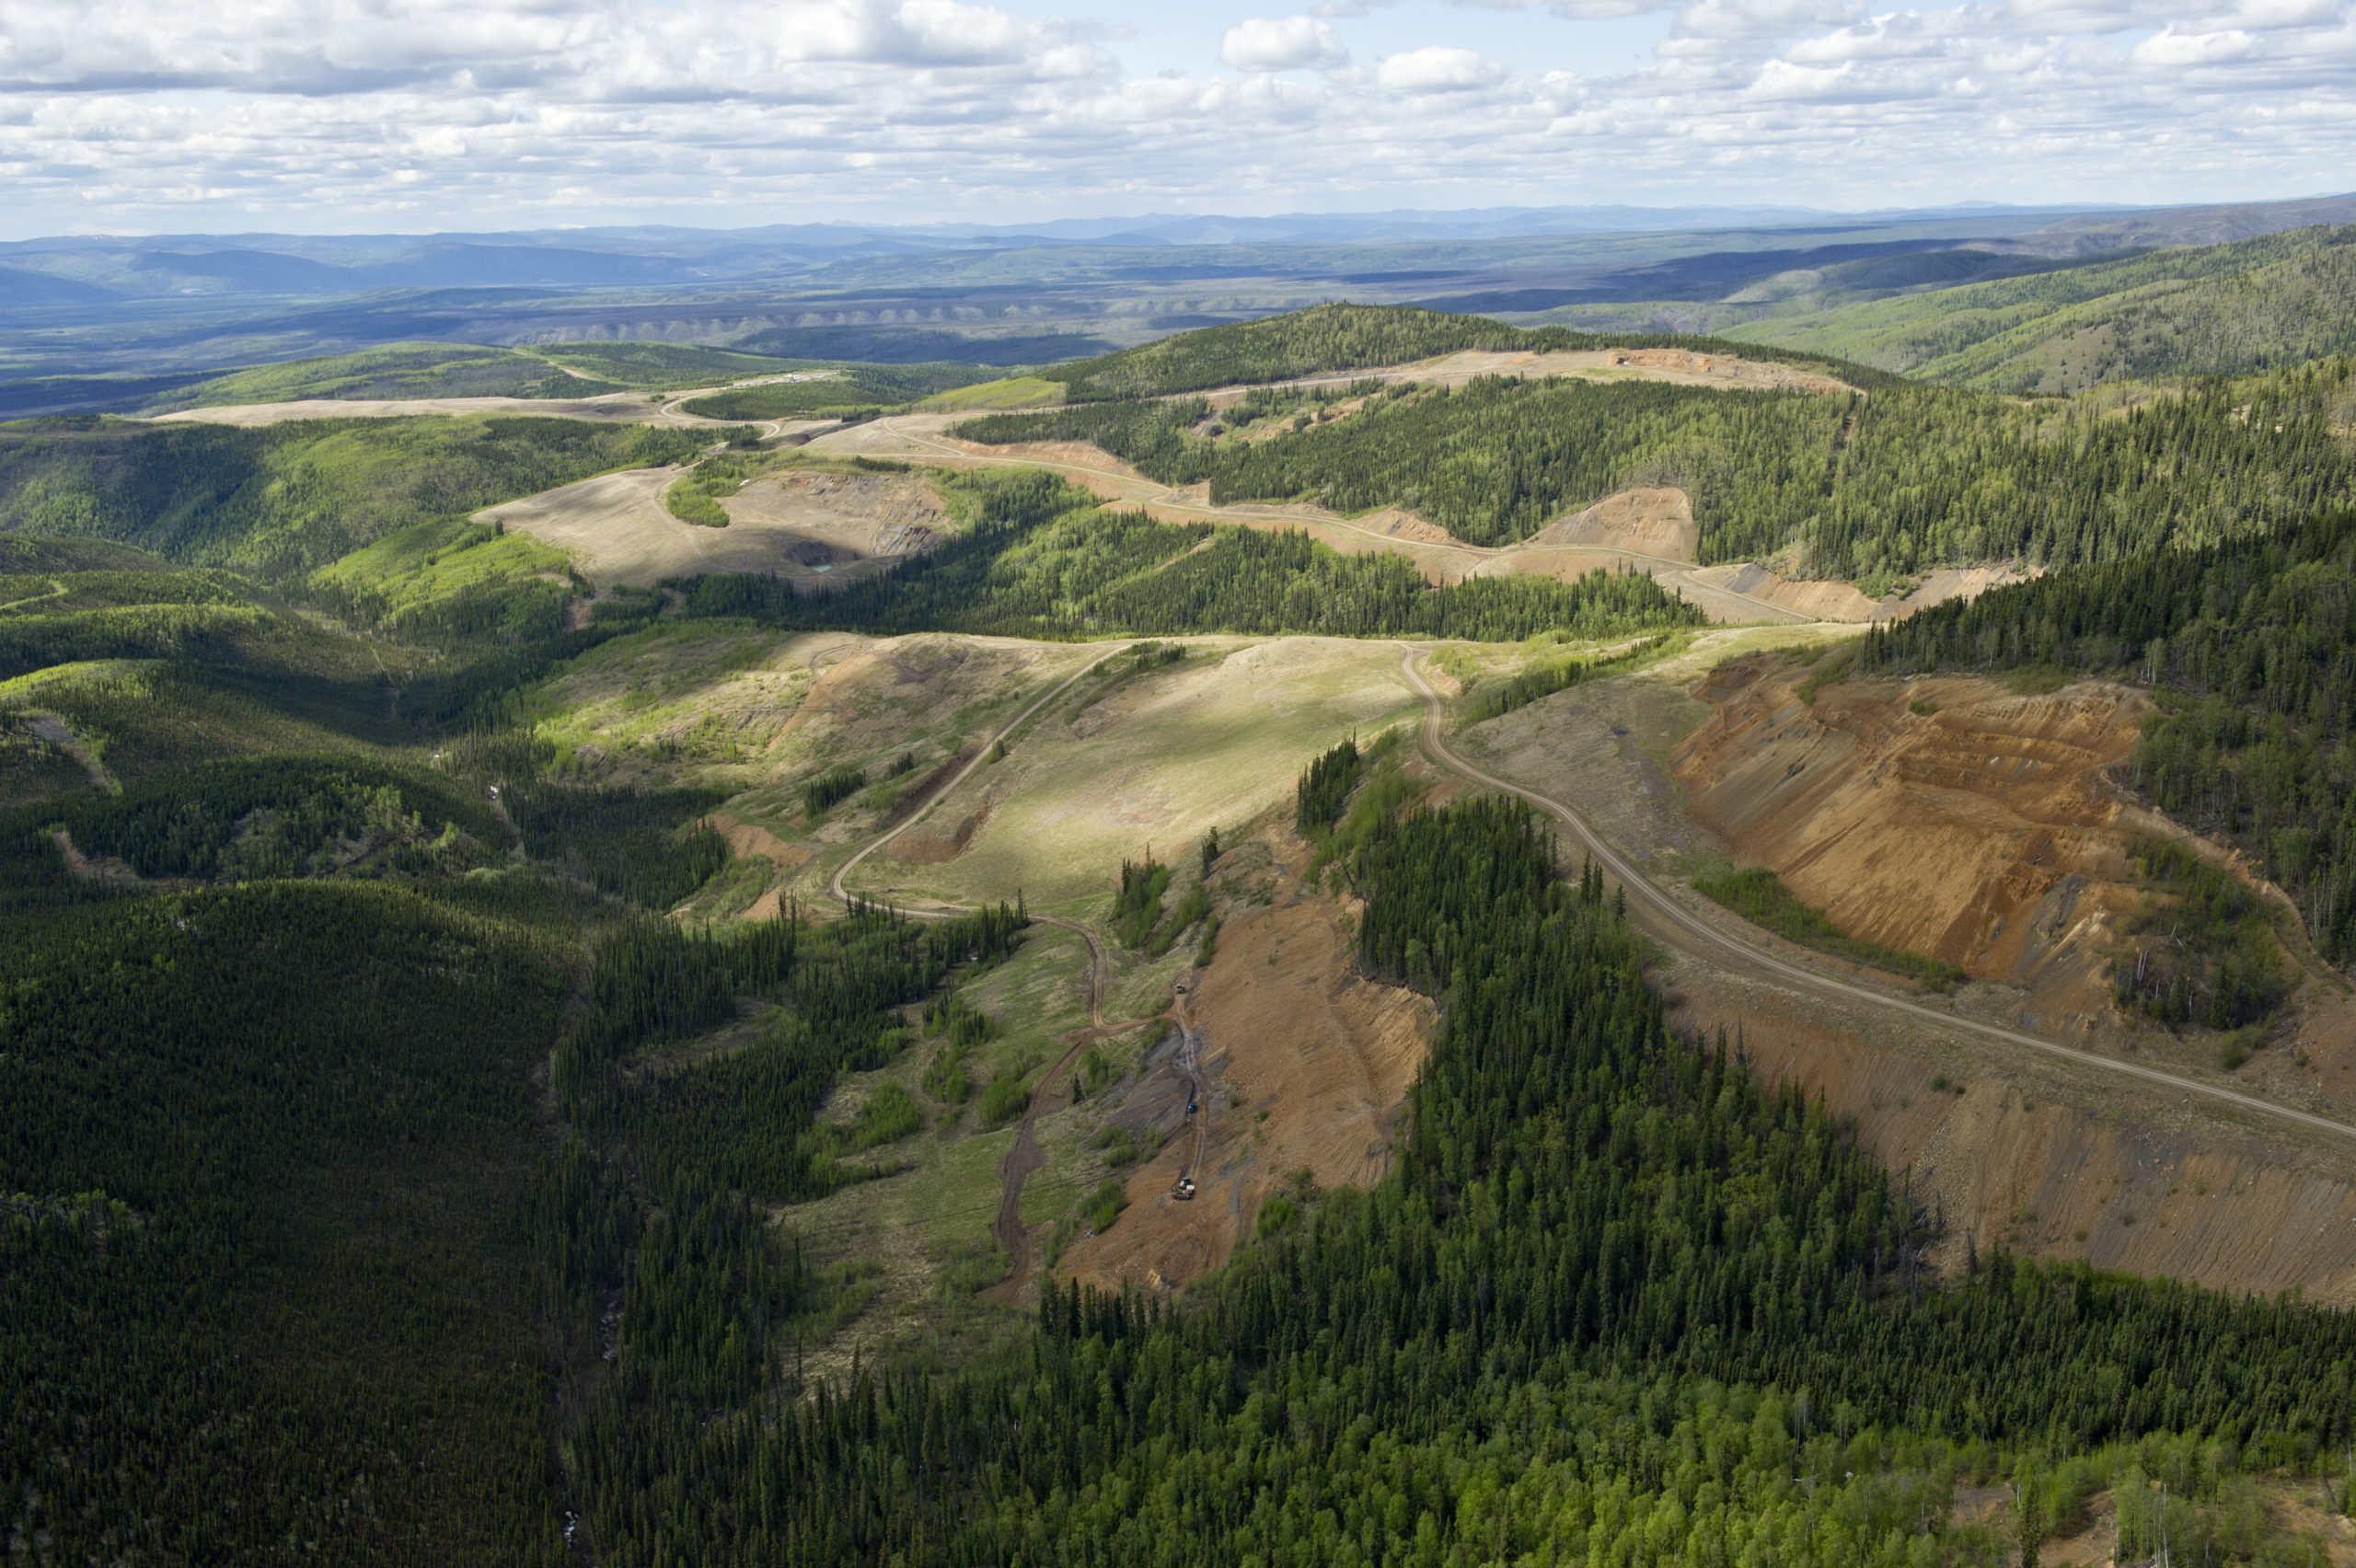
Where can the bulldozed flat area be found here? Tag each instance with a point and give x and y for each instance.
(803, 526)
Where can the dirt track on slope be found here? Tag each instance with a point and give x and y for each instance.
(1026, 1156)
(1439, 558)
(1672, 920)
(1300, 1064)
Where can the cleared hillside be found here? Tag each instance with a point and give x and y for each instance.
(1896, 482)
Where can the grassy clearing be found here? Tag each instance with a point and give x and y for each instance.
(1710, 649)
(1014, 392)
(1158, 761)
(661, 367)
(847, 391)
(708, 697)
(1759, 896)
(1032, 1000)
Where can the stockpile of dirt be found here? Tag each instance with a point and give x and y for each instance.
(1650, 521)
(1945, 816)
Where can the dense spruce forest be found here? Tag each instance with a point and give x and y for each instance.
(1617, 1301)
(1898, 480)
(387, 1178)
(1041, 558)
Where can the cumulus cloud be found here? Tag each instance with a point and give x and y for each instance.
(1290, 43)
(491, 113)
(1437, 68)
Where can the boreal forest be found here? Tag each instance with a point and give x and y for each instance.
(1049, 1023)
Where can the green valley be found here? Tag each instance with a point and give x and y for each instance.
(1366, 937)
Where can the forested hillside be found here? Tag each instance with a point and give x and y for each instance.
(2214, 310)
(1898, 480)
(396, 1168)
(1339, 337)
(1616, 1300)
(396, 370)
(284, 498)
(1041, 560)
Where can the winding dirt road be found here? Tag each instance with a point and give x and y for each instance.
(1025, 1155)
(1671, 570)
(1663, 916)
(980, 758)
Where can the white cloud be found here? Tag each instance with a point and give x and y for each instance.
(1603, 10)
(1291, 44)
(493, 113)
(1437, 68)
(2169, 47)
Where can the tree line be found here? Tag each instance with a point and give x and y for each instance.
(1893, 482)
(1041, 560)
(1342, 336)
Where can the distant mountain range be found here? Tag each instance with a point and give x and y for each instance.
(84, 316)
(87, 268)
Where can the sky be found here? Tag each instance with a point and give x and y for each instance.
(341, 116)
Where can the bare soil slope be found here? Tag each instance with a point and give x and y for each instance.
(1655, 521)
(1982, 833)
(1306, 1066)
(2023, 1155)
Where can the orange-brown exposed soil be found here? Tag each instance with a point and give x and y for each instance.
(1983, 833)
(744, 839)
(1304, 1065)
(925, 847)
